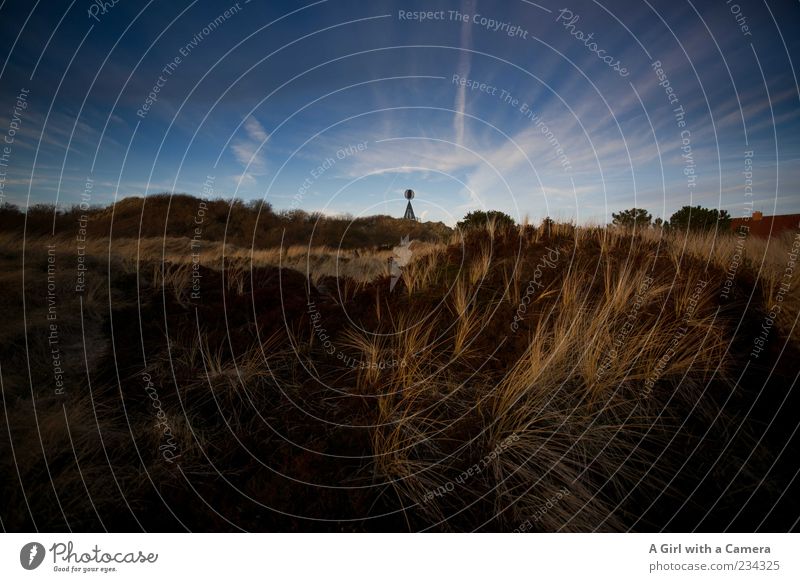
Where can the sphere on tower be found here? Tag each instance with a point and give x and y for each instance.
(409, 215)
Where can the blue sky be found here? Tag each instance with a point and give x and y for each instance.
(338, 106)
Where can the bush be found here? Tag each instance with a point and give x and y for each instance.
(480, 219)
(697, 218)
(631, 218)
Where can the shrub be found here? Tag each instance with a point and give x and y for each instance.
(481, 218)
(699, 218)
(631, 218)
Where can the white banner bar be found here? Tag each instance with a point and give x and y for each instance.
(401, 557)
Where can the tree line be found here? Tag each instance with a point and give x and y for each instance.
(240, 223)
(694, 218)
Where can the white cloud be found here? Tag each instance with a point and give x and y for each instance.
(464, 60)
(244, 179)
(249, 151)
(255, 130)
(247, 154)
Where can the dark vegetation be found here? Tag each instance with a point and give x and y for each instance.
(239, 223)
(688, 218)
(270, 431)
(481, 219)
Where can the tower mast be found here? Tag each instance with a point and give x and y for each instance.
(409, 215)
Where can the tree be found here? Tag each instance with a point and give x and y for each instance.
(294, 215)
(260, 205)
(698, 218)
(632, 218)
(480, 219)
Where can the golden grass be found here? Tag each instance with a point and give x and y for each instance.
(622, 322)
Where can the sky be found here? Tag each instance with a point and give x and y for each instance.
(572, 111)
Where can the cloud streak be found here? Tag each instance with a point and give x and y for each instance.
(464, 60)
(249, 152)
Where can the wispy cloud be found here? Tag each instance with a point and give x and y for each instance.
(249, 151)
(255, 130)
(464, 65)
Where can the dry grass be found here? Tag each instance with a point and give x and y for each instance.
(623, 335)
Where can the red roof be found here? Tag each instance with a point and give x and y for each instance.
(768, 226)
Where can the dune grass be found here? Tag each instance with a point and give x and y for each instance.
(421, 407)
